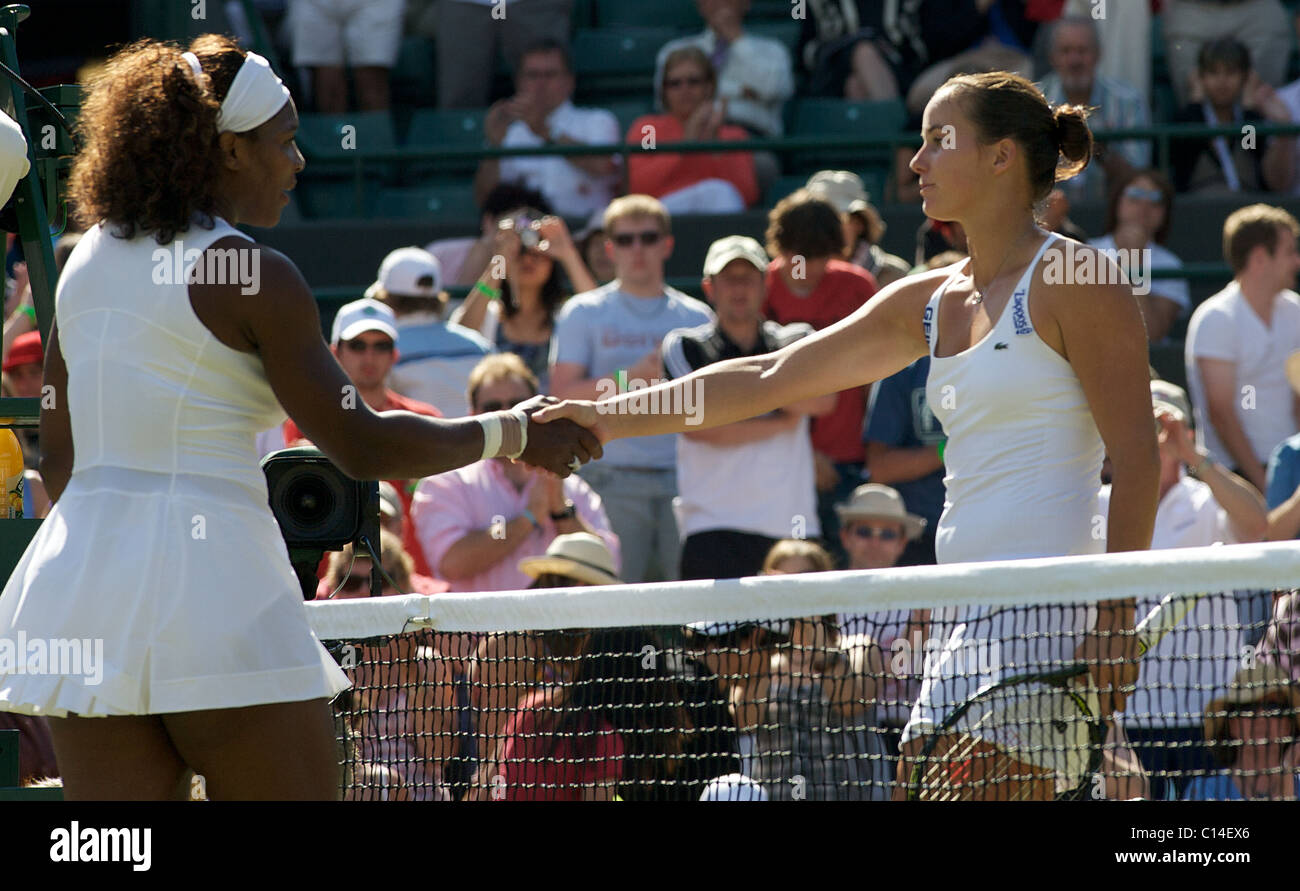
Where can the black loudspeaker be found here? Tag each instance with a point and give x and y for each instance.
(320, 508)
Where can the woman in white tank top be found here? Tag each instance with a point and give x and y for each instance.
(177, 338)
(1032, 375)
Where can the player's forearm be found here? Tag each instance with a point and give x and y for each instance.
(483, 549)
(722, 393)
(1284, 520)
(1245, 507)
(404, 445)
(1135, 489)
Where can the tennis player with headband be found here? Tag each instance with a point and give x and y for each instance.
(161, 542)
(1030, 376)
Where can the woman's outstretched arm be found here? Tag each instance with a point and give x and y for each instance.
(882, 337)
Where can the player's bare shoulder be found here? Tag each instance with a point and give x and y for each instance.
(1082, 290)
(240, 287)
(1071, 271)
(903, 302)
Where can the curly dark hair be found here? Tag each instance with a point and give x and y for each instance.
(149, 130)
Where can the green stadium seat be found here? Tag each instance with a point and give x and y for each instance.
(443, 128)
(451, 202)
(628, 110)
(613, 63)
(782, 186)
(839, 117)
(874, 180)
(415, 74)
(335, 198)
(327, 133)
(332, 149)
(647, 14)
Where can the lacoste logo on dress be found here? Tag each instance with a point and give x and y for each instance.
(999, 346)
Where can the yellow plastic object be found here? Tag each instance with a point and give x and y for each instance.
(11, 476)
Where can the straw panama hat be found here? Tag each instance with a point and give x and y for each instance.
(1261, 681)
(877, 502)
(579, 555)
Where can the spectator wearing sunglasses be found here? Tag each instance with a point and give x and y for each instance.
(1137, 219)
(364, 340)
(875, 528)
(699, 182)
(476, 523)
(436, 356)
(609, 339)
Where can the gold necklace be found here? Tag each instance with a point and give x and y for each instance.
(978, 296)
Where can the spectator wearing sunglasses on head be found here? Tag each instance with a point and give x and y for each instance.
(1137, 219)
(699, 182)
(364, 340)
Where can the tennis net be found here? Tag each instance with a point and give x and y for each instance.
(801, 686)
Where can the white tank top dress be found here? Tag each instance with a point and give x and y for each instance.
(1023, 463)
(162, 546)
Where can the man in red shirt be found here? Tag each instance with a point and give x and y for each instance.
(807, 282)
(364, 340)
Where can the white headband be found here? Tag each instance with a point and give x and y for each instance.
(255, 96)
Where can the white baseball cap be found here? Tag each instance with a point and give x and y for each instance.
(734, 247)
(363, 315)
(402, 270)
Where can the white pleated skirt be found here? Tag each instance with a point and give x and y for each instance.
(146, 593)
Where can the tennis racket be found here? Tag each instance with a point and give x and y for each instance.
(969, 766)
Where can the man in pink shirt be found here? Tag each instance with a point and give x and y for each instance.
(475, 524)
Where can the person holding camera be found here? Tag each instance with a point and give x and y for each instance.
(163, 371)
(514, 301)
(699, 182)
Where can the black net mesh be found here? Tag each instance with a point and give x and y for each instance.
(1002, 703)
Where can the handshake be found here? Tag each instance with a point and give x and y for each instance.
(558, 437)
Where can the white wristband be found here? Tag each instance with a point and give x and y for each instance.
(523, 431)
(491, 424)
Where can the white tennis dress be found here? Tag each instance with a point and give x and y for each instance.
(1023, 467)
(162, 545)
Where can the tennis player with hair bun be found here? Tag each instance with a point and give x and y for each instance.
(161, 542)
(1031, 378)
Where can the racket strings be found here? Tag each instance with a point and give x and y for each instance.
(970, 769)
